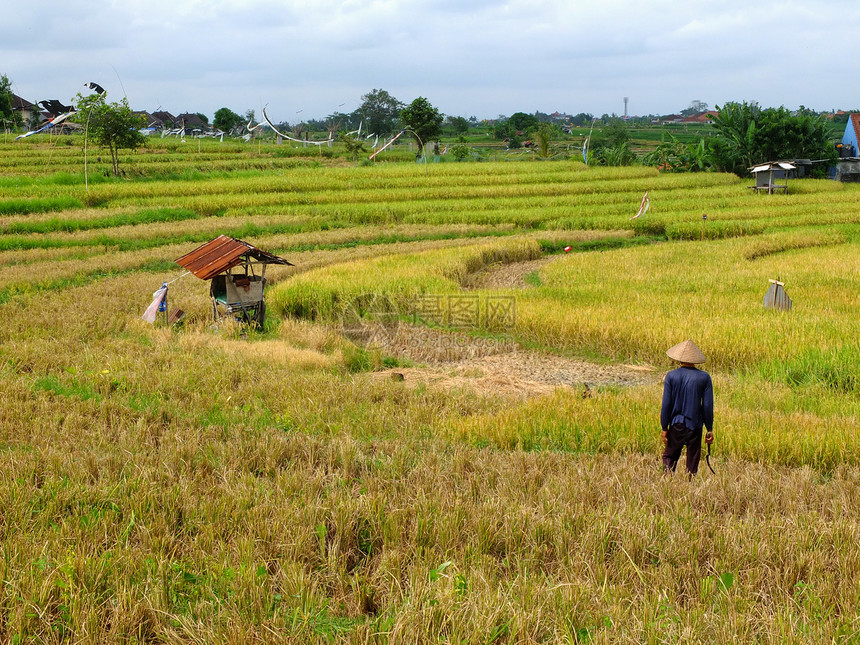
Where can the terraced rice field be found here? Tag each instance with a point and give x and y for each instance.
(447, 431)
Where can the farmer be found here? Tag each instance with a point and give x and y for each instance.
(688, 404)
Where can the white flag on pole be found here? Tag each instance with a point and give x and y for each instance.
(643, 207)
(152, 310)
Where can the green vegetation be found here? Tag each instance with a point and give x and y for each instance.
(198, 484)
(8, 115)
(379, 112)
(671, 147)
(422, 119)
(110, 125)
(226, 119)
(747, 134)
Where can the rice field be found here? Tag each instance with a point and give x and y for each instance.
(201, 483)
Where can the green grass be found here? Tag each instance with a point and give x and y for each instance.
(25, 206)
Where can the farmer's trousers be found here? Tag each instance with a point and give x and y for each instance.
(677, 437)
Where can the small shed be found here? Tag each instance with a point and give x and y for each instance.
(768, 173)
(27, 110)
(191, 121)
(803, 168)
(847, 167)
(237, 271)
(846, 170)
(851, 137)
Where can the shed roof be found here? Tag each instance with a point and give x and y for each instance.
(224, 253)
(191, 120)
(854, 119)
(773, 165)
(19, 103)
(163, 116)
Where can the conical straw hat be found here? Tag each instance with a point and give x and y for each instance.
(686, 352)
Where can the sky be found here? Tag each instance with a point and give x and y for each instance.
(483, 58)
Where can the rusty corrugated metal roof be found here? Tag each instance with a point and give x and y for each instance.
(854, 119)
(221, 254)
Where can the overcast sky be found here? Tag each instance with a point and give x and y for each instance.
(308, 59)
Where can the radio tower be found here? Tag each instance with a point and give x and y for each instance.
(626, 98)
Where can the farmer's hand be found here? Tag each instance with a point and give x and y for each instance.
(664, 437)
(709, 437)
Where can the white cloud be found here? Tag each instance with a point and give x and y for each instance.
(480, 57)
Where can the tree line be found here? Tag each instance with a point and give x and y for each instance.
(742, 133)
(745, 134)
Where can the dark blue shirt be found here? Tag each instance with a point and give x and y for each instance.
(688, 398)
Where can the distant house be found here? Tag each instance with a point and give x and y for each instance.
(150, 125)
(27, 110)
(165, 119)
(847, 168)
(850, 143)
(143, 115)
(560, 116)
(701, 117)
(671, 118)
(191, 122)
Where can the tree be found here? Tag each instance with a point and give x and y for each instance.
(672, 155)
(747, 134)
(203, 117)
(110, 125)
(352, 145)
(696, 107)
(522, 122)
(7, 111)
(611, 144)
(734, 146)
(502, 130)
(842, 119)
(619, 155)
(583, 118)
(423, 120)
(543, 135)
(338, 121)
(458, 124)
(226, 119)
(616, 132)
(379, 111)
(460, 150)
(783, 135)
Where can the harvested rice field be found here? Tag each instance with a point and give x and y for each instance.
(447, 429)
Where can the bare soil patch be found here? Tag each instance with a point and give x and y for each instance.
(507, 276)
(496, 367)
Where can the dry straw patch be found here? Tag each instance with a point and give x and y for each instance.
(516, 374)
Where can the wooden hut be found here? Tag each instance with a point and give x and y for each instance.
(237, 271)
(766, 176)
(847, 167)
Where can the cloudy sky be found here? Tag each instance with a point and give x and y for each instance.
(308, 59)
